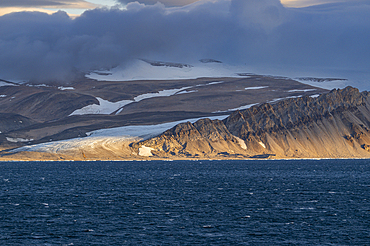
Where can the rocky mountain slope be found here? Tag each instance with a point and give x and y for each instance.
(56, 112)
(333, 125)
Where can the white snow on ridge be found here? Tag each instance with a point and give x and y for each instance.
(3, 95)
(243, 107)
(164, 93)
(303, 90)
(186, 92)
(2, 83)
(329, 85)
(239, 108)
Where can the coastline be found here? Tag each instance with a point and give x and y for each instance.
(48, 157)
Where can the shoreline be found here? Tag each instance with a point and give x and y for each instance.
(182, 159)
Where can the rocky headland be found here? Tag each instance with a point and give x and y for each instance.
(332, 125)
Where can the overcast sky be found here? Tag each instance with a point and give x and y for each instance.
(264, 33)
(76, 7)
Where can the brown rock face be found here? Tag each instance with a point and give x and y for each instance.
(333, 125)
(203, 138)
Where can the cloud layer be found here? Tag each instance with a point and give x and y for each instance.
(171, 3)
(260, 33)
(43, 3)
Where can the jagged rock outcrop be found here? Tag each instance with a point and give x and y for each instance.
(203, 138)
(333, 125)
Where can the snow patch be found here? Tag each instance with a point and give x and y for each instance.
(255, 88)
(40, 85)
(303, 90)
(262, 144)
(3, 95)
(62, 88)
(186, 92)
(145, 151)
(2, 83)
(215, 83)
(243, 107)
(164, 93)
(104, 107)
(241, 143)
(275, 100)
(119, 111)
(314, 96)
(239, 108)
(294, 97)
(18, 140)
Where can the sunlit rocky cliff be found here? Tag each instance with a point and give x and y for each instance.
(333, 125)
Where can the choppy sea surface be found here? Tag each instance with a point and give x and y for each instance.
(308, 202)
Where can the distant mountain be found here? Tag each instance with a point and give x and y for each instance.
(166, 64)
(333, 125)
(209, 61)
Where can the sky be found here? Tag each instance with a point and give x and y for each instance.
(77, 7)
(56, 40)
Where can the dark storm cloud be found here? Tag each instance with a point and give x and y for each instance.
(253, 32)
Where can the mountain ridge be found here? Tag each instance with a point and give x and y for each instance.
(333, 125)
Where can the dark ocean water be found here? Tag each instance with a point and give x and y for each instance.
(318, 202)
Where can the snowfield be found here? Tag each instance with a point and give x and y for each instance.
(164, 93)
(111, 137)
(141, 70)
(104, 107)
